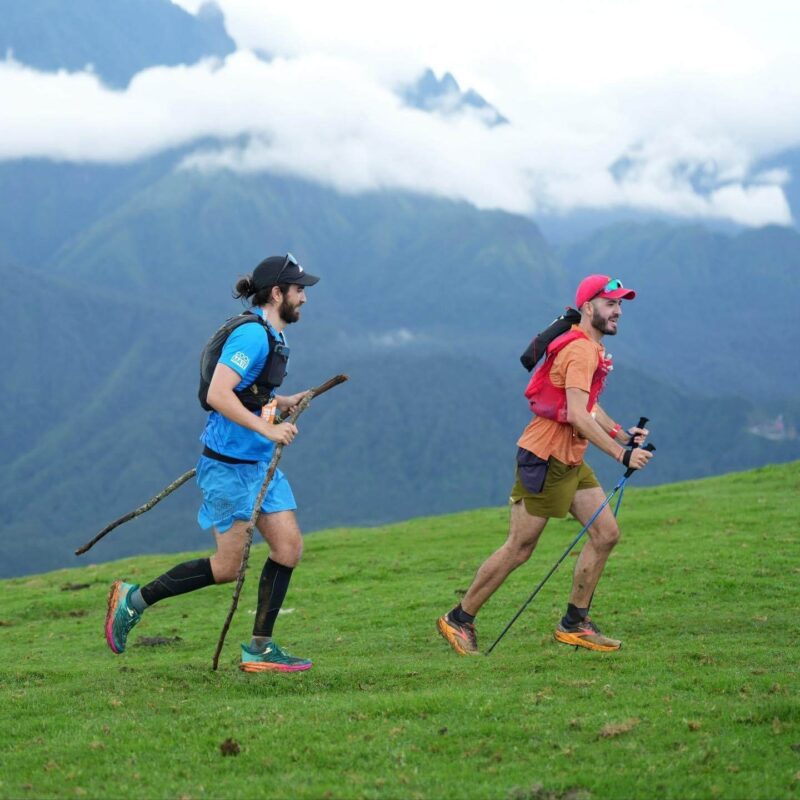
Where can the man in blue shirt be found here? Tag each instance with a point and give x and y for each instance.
(239, 438)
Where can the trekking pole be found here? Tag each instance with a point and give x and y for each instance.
(619, 487)
(640, 424)
(273, 464)
(176, 484)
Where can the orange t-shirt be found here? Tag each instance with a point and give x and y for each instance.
(573, 368)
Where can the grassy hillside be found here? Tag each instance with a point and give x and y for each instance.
(701, 702)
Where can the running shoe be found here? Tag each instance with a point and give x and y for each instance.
(120, 617)
(273, 659)
(585, 634)
(460, 636)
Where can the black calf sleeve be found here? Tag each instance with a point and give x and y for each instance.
(180, 579)
(271, 591)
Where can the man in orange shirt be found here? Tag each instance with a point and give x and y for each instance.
(552, 478)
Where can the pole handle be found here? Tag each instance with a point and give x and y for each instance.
(650, 448)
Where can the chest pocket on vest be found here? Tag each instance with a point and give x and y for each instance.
(275, 370)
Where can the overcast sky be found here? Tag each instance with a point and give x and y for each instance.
(691, 94)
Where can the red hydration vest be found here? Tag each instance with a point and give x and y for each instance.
(549, 401)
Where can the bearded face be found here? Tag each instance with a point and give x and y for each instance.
(605, 315)
(289, 308)
(289, 312)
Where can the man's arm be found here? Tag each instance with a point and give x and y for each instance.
(223, 399)
(621, 436)
(590, 428)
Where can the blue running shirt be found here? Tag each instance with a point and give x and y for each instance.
(245, 352)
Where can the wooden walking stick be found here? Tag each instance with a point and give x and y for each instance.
(178, 482)
(273, 464)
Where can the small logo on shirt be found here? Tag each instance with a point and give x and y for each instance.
(240, 359)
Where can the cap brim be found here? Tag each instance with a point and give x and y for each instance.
(619, 294)
(306, 280)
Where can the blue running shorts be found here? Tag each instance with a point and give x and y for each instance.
(230, 491)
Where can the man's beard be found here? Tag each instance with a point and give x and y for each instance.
(287, 312)
(602, 325)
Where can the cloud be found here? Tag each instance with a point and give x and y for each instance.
(688, 97)
(393, 339)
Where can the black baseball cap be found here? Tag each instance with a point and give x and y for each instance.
(276, 270)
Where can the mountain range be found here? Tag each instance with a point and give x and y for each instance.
(114, 276)
(115, 40)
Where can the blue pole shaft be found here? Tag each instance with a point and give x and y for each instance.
(619, 499)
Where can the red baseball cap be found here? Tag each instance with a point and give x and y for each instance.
(601, 286)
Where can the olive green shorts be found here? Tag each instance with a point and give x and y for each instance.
(559, 489)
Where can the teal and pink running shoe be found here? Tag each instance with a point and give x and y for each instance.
(273, 659)
(120, 617)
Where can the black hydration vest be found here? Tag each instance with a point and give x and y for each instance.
(257, 394)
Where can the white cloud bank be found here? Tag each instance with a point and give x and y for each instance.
(690, 95)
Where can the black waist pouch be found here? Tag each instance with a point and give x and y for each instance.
(532, 470)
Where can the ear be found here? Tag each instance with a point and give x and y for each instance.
(276, 295)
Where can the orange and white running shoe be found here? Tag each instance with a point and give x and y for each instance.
(460, 636)
(585, 634)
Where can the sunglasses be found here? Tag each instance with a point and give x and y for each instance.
(611, 286)
(290, 259)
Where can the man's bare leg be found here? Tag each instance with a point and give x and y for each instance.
(226, 561)
(523, 534)
(603, 536)
(282, 533)
(457, 626)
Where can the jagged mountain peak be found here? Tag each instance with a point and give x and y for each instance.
(444, 95)
(116, 40)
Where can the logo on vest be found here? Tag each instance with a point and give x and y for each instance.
(240, 359)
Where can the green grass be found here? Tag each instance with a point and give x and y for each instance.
(701, 702)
